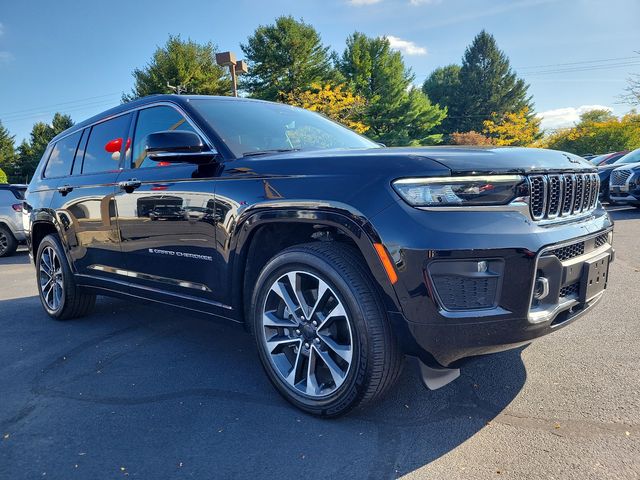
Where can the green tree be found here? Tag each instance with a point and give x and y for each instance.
(488, 86)
(442, 88)
(3, 177)
(185, 63)
(396, 113)
(7, 152)
(589, 136)
(285, 58)
(30, 152)
(596, 116)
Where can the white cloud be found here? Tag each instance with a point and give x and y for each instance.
(363, 2)
(567, 116)
(5, 57)
(415, 3)
(405, 46)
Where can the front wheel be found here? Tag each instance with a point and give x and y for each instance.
(321, 331)
(60, 296)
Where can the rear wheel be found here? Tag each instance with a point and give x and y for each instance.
(60, 296)
(321, 331)
(8, 243)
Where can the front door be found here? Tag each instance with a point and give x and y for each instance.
(166, 216)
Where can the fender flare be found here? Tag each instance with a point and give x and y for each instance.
(341, 217)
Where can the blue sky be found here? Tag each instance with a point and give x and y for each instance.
(77, 57)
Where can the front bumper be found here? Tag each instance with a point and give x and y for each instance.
(440, 335)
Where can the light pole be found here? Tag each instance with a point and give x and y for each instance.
(236, 67)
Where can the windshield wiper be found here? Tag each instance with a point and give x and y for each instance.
(268, 152)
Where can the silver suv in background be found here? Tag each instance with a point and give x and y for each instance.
(11, 229)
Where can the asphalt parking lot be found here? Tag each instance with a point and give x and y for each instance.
(140, 391)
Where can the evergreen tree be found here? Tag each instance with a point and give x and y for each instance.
(30, 152)
(442, 87)
(443, 84)
(488, 86)
(284, 58)
(396, 113)
(185, 63)
(7, 152)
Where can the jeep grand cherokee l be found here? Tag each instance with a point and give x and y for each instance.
(339, 255)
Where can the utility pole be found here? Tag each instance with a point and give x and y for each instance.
(236, 67)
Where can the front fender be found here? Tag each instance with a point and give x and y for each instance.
(337, 216)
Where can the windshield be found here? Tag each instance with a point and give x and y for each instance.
(631, 157)
(254, 128)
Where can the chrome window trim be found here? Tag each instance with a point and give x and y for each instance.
(175, 106)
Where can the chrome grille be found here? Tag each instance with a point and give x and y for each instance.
(562, 195)
(620, 177)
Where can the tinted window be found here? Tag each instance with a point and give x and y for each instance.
(150, 120)
(19, 193)
(631, 157)
(77, 164)
(61, 157)
(249, 127)
(105, 146)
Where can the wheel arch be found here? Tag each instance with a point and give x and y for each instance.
(286, 227)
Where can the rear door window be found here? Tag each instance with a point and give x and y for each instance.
(61, 158)
(107, 142)
(151, 120)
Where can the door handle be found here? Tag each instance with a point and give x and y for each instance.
(64, 189)
(129, 185)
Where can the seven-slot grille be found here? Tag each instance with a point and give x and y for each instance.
(620, 177)
(563, 194)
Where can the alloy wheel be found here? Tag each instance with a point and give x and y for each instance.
(307, 334)
(4, 243)
(50, 277)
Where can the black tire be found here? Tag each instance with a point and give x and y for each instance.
(8, 243)
(376, 359)
(74, 301)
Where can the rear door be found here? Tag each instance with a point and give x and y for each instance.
(84, 201)
(167, 216)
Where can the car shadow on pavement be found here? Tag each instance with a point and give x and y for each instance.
(160, 393)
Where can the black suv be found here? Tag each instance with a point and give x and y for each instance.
(339, 255)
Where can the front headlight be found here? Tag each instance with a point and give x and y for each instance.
(461, 191)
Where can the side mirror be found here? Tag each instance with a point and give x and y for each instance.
(177, 146)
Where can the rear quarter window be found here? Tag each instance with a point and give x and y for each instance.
(61, 158)
(19, 193)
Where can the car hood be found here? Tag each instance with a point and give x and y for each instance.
(503, 160)
(627, 166)
(407, 161)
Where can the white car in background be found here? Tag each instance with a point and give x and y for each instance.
(11, 227)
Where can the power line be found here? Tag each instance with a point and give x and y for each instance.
(58, 104)
(579, 63)
(582, 69)
(585, 68)
(40, 113)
